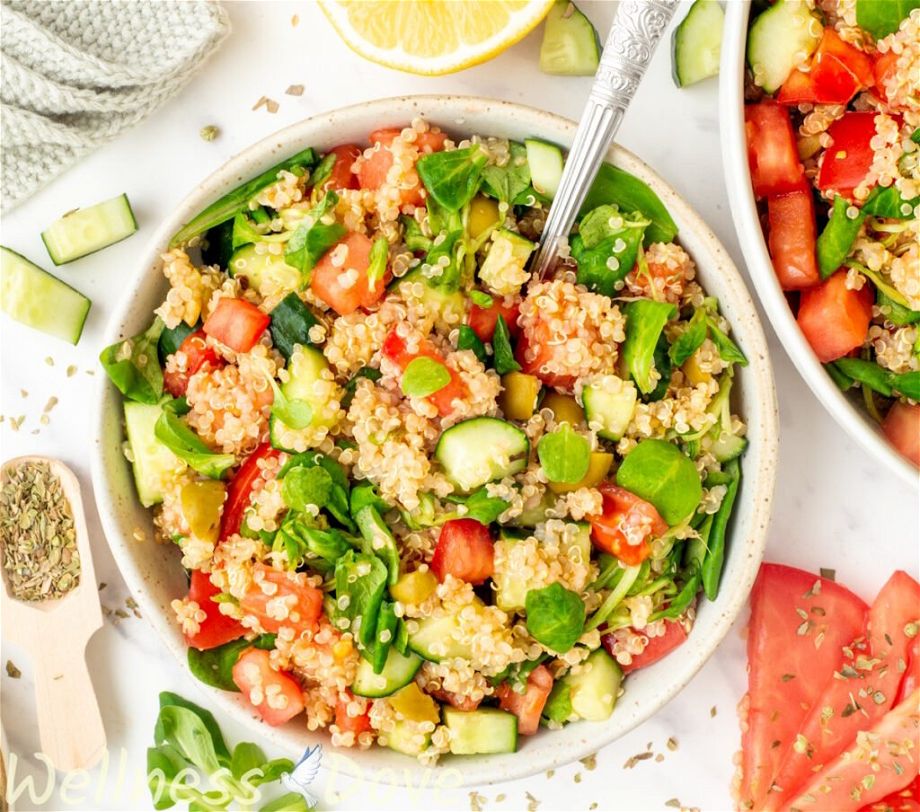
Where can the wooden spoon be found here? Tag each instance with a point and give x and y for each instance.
(54, 633)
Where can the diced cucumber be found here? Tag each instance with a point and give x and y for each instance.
(697, 43)
(38, 299)
(245, 230)
(532, 516)
(503, 269)
(781, 39)
(85, 231)
(436, 639)
(449, 304)
(487, 730)
(398, 672)
(610, 403)
(727, 446)
(480, 450)
(291, 323)
(593, 690)
(154, 464)
(267, 273)
(570, 46)
(545, 162)
(405, 738)
(306, 367)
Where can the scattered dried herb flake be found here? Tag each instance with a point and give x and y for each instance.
(209, 133)
(12, 671)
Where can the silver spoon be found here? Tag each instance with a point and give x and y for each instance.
(636, 29)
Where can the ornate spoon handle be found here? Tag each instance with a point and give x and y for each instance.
(635, 32)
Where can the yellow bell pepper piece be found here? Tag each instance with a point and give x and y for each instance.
(518, 398)
(564, 407)
(598, 468)
(414, 587)
(692, 371)
(201, 503)
(415, 705)
(483, 215)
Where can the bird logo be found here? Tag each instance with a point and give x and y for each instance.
(304, 774)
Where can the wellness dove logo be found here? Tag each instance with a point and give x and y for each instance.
(304, 774)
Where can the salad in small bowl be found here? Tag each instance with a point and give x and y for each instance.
(424, 501)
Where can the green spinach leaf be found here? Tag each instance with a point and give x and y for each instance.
(306, 544)
(468, 340)
(452, 177)
(214, 666)
(377, 262)
(502, 350)
(555, 616)
(313, 238)
(645, 319)
(564, 455)
(175, 434)
(728, 350)
(167, 698)
(883, 17)
(424, 376)
(304, 486)
(506, 183)
(360, 583)
(480, 506)
(132, 364)
(365, 372)
(291, 321)
(413, 236)
(837, 238)
(184, 730)
(887, 201)
(691, 339)
(660, 473)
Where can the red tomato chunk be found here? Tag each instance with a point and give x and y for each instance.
(395, 348)
(656, 649)
(282, 599)
(275, 695)
(849, 157)
(527, 705)
(236, 323)
(902, 428)
(772, 151)
(792, 239)
(197, 355)
(217, 628)
(834, 318)
(341, 176)
(464, 550)
(626, 525)
(345, 286)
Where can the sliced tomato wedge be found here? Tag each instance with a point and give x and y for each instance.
(528, 705)
(275, 695)
(834, 318)
(791, 239)
(626, 525)
(837, 72)
(848, 159)
(482, 320)
(881, 762)
(787, 670)
(373, 170)
(237, 324)
(902, 428)
(394, 348)
(282, 599)
(905, 800)
(197, 353)
(464, 550)
(772, 152)
(240, 489)
(886, 65)
(217, 628)
(341, 176)
(338, 286)
(347, 723)
(656, 649)
(859, 693)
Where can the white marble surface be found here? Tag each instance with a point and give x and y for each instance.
(834, 506)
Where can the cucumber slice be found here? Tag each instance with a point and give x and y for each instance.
(781, 39)
(545, 162)
(593, 690)
(398, 671)
(480, 450)
(610, 403)
(503, 270)
(450, 305)
(154, 464)
(436, 639)
(85, 231)
(727, 447)
(405, 738)
(570, 46)
(487, 730)
(267, 273)
(37, 299)
(305, 368)
(697, 43)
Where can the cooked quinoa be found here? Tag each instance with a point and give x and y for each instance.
(419, 479)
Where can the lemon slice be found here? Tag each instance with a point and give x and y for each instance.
(432, 37)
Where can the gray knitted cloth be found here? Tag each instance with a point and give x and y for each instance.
(75, 73)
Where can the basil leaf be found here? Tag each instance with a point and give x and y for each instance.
(452, 177)
(377, 262)
(837, 238)
(423, 376)
(337, 503)
(468, 340)
(361, 579)
(555, 616)
(883, 17)
(506, 183)
(661, 474)
(167, 698)
(564, 455)
(689, 341)
(728, 350)
(175, 434)
(313, 238)
(132, 364)
(480, 506)
(645, 319)
(304, 543)
(364, 494)
(302, 487)
(502, 350)
(182, 729)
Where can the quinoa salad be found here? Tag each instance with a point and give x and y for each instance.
(423, 499)
(833, 131)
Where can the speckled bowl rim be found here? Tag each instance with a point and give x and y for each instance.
(148, 568)
(854, 421)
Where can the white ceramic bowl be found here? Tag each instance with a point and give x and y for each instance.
(844, 408)
(154, 575)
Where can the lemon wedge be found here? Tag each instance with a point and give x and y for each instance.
(432, 37)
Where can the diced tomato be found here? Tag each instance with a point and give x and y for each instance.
(787, 668)
(482, 320)
(545, 352)
(791, 239)
(657, 647)
(875, 660)
(626, 525)
(275, 695)
(528, 705)
(394, 348)
(341, 176)
(462, 702)
(282, 599)
(217, 628)
(197, 353)
(834, 318)
(902, 428)
(905, 800)
(848, 159)
(240, 489)
(236, 323)
(464, 550)
(881, 762)
(373, 170)
(837, 71)
(345, 722)
(886, 65)
(772, 151)
(330, 283)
